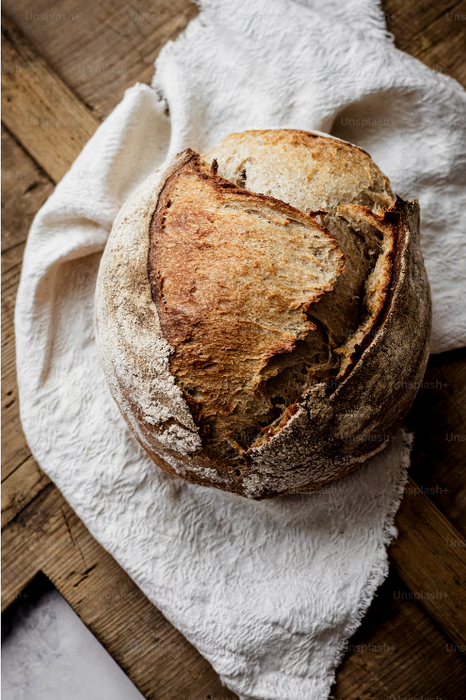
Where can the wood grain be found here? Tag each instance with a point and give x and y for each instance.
(22, 183)
(397, 647)
(41, 530)
(25, 187)
(105, 47)
(428, 31)
(397, 637)
(22, 486)
(438, 420)
(400, 652)
(430, 557)
(52, 124)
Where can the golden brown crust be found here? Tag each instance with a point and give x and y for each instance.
(308, 171)
(233, 274)
(336, 411)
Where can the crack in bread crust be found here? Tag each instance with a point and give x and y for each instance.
(321, 429)
(339, 185)
(233, 275)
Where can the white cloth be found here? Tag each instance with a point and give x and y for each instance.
(268, 591)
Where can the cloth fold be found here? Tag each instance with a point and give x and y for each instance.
(268, 591)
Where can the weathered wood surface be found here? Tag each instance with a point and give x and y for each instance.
(24, 189)
(50, 122)
(87, 67)
(438, 419)
(433, 31)
(102, 48)
(430, 557)
(399, 652)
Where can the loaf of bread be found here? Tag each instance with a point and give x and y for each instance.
(263, 312)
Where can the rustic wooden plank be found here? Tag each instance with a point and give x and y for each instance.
(430, 557)
(22, 486)
(25, 187)
(428, 30)
(438, 420)
(399, 651)
(101, 49)
(14, 448)
(48, 536)
(115, 45)
(39, 109)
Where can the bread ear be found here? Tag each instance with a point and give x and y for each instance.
(341, 424)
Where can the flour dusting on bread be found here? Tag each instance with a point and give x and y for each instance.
(253, 307)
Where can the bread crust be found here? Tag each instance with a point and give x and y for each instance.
(330, 430)
(340, 424)
(234, 275)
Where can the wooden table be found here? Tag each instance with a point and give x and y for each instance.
(65, 67)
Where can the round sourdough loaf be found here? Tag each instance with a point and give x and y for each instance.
(263, 312)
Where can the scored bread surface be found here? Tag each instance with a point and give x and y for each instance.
(273, 266)
(233, 274)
